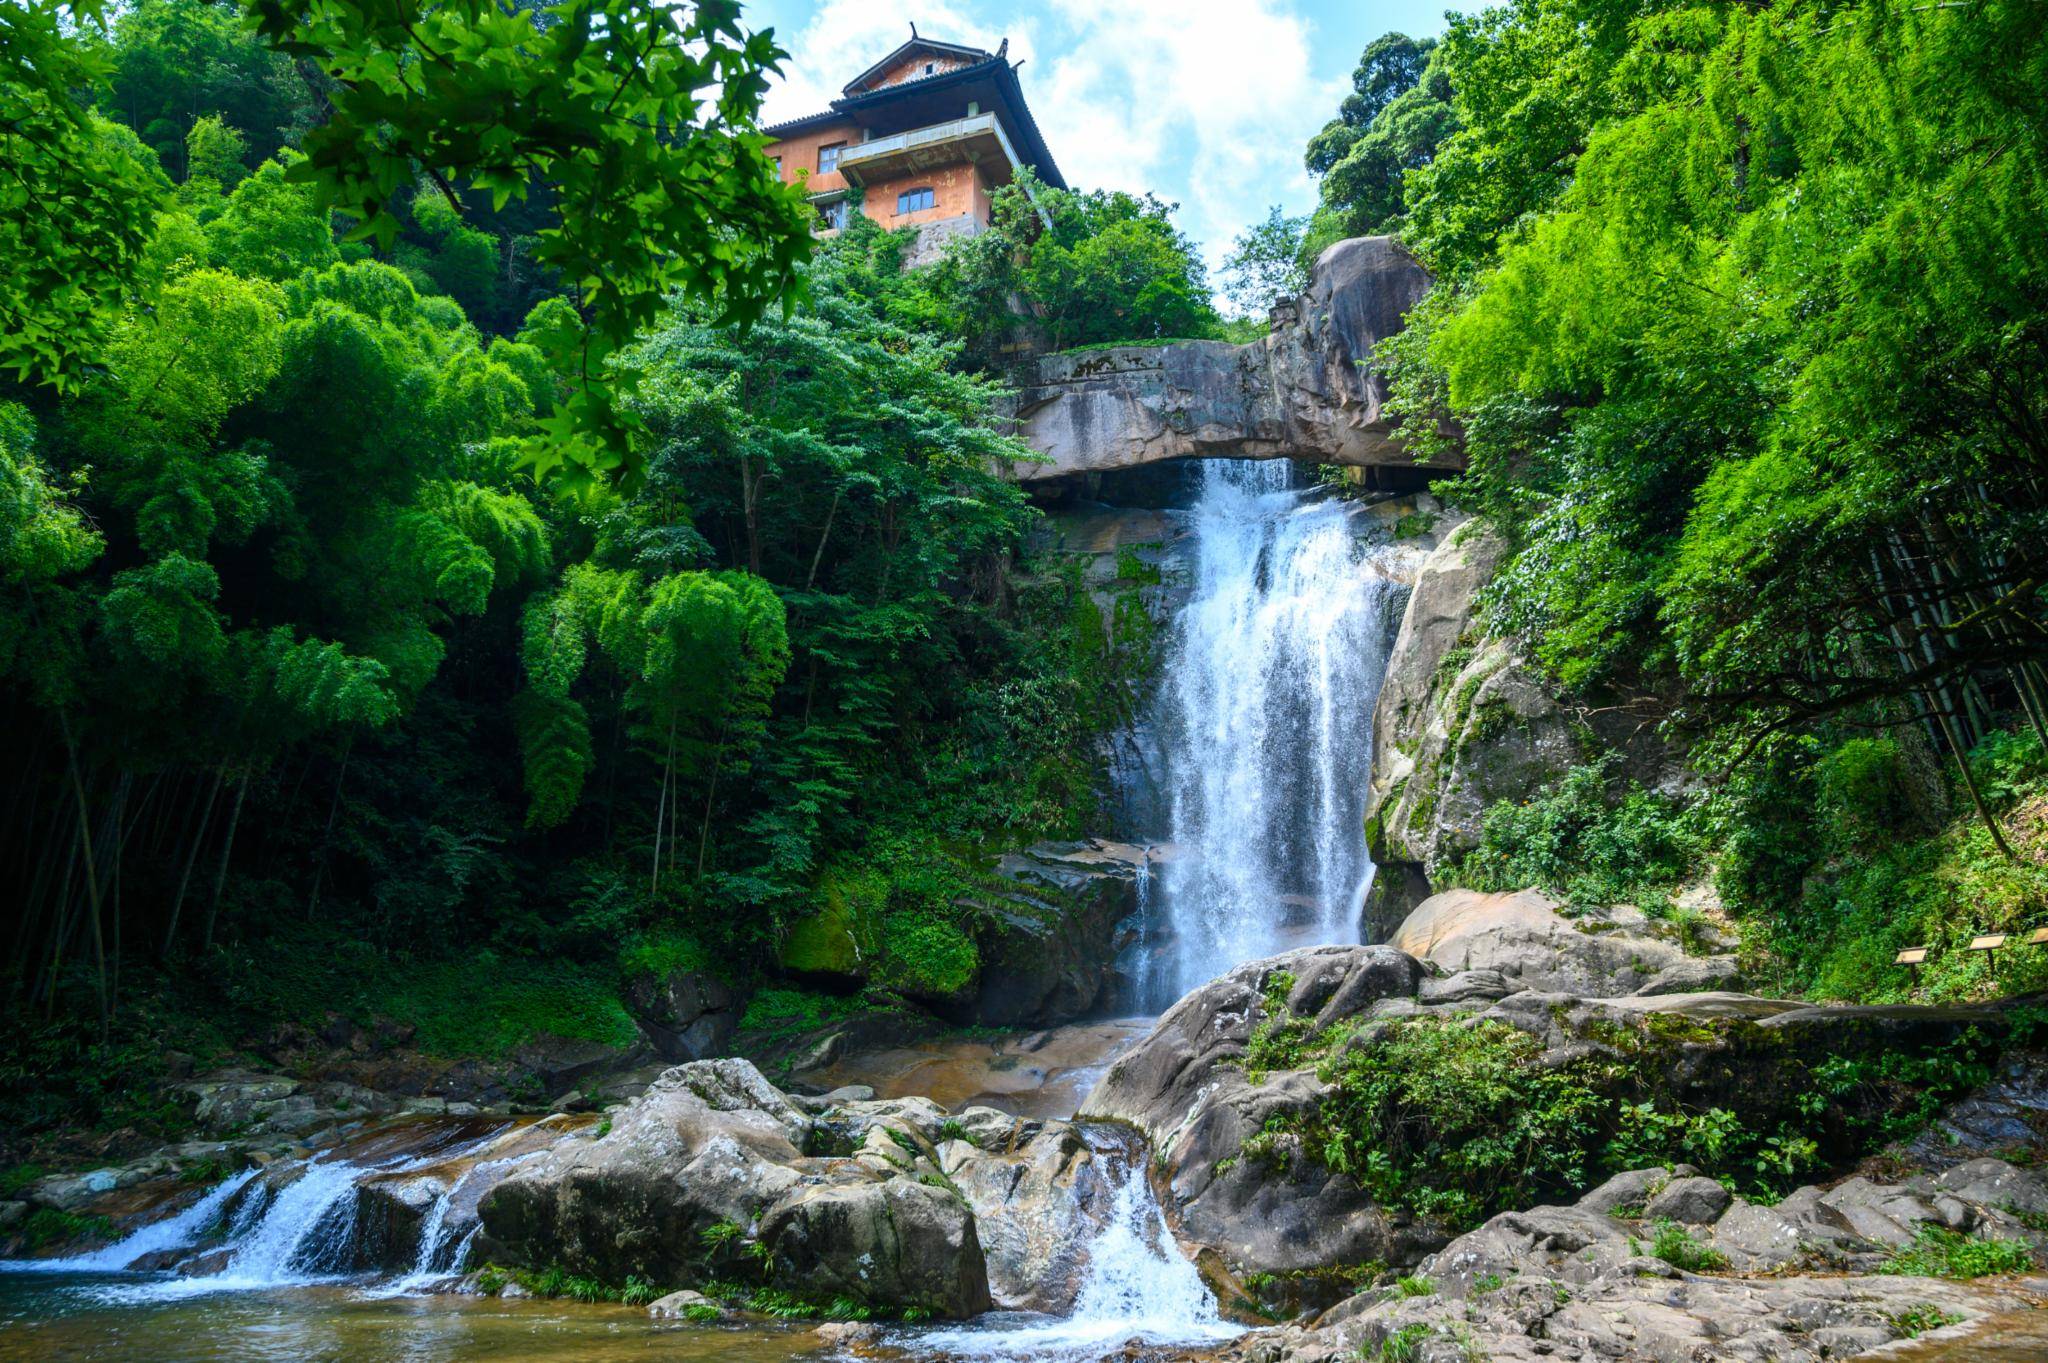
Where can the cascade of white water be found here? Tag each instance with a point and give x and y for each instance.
(172, 1233)
(1265, 725)
(1137, 1284)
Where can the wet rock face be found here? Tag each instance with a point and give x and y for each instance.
(1238, 1147)
(1465, 720)
(1048, 938)
(885, 1202)
(1185, 1087)
(1301, 392)
(686, 1014)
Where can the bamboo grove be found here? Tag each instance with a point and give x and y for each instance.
(314, 669)
(1744, 310)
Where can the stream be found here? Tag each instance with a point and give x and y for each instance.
(1284, 607)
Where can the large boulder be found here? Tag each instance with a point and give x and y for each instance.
(1525, 938)
(684, 1014)
(708, 1142)
(881, 1241)
(1304, 391)
(1039, 1195)
(842, 1200)
(1233, 1089)
(1186, 1088)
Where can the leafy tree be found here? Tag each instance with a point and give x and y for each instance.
(1743, 313)
(1391, 65)
(1393, 123)
(1090, 268)
(174, 64)
(215, 151)
(76, 210)
(1265, 265)
(639, 116)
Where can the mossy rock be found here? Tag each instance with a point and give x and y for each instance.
(823, 947)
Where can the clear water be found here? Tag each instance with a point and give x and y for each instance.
(65, 1318)
(1264, 725)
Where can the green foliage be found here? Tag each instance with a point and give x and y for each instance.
(1097, 267)
(1264, 266)
(1414, 1285)
(1916, 1321)
(1843, 855)
(46, 1226)
(81, 194)
(1736, 312)
(582, 99)
(1455, 1120)
(1677, 1246)
(1938, 1252)
(1585, 845)
(1398, 113)
(1404, 1345)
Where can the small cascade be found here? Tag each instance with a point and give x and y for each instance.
(442, 1253)
(169, 1235)
(1137, 1286)
(292, 1225)
(1264, 726)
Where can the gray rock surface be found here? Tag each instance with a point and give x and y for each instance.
(1301, 392)
(1186, 1089)
(685, 1014)
(713, 1142)
(1573, 1283)
(1523, 938)
(1464, 720)
(1692, 1201)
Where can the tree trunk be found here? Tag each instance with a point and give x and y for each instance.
(192, 860)
(92, 874)
(220, 873)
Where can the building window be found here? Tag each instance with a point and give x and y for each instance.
(834, 213)
(911, 200)
(929, 67)
(828, 158)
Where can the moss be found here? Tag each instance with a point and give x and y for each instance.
(928, 956)
(825, 943)
(1131, 568)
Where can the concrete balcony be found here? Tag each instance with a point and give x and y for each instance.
(975, 138)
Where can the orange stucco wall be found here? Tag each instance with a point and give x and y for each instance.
(957, 190)
(800, 153)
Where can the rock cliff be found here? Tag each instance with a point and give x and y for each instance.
(1301, 392)
(1464, 720)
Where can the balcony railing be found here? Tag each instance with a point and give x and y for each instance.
(971, 128)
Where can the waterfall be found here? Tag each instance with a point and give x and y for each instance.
(1264, 725)
(181, 1231)
(1137, 1285)
(297, 1225)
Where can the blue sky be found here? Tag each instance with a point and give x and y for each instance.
(1204, 102)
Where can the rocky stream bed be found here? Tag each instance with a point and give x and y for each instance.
(1182, 1212)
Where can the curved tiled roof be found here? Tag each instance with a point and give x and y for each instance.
(1024, 128)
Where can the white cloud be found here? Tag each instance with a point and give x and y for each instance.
(1206, 102)
(845, 37)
